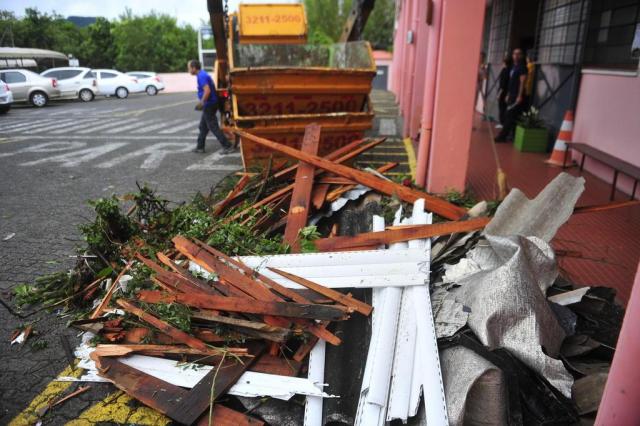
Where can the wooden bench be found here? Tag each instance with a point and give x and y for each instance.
(618, 165)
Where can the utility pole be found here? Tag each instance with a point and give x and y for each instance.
(357, 19)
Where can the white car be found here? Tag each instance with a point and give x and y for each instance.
(27, 86)
(112, 82)
(149, 81)
(6, 97)
(74, 82)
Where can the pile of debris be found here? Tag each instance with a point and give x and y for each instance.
(202, 311)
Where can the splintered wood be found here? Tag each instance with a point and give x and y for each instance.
(201, 305)
(301, 196)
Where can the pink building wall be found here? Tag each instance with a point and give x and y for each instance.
(435, 84)
(608, 118)
(619, 403)
(421, 42)
(460, 41)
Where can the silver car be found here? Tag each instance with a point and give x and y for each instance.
(74, 82)
(27, 86)
(6, 97)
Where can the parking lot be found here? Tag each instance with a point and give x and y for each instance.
(54, 159)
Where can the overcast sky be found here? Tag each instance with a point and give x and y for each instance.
(186, 11)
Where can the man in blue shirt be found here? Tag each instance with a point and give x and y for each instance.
(208, 104)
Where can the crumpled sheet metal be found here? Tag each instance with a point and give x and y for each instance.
(542, 216)
(505, 278)
(474, 388)
(508, 304)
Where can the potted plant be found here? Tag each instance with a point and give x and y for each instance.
(531, 134)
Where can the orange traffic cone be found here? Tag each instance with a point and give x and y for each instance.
(565, 135)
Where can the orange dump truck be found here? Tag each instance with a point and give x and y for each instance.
(278, 83)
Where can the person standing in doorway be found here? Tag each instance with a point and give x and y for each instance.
(208, 104)
(503, 89)
(516, 96)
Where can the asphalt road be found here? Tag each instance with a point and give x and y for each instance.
(54, 159)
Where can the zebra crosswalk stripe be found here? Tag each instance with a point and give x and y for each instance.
(106, 126)
(157, 126)
(40, 124)
(131, 126)
(179, 128)
(47, 127)
(83, 125)
(15, 127)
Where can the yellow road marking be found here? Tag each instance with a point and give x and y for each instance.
(411, 154)
(29, 415)
(118, 407)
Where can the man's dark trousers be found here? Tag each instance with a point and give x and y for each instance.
(209, 122)
(511, 119)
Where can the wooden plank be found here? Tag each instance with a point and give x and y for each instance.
(286, 292)
(219, 208)
(213, 265)
(286, 174)
(185, 274)
(319, 195)
(336, 296)
(276, 334)
(435, 204)
(122, 350)
(226, 375)
(249, 306)
(232, 276)
(177, 281)
(270, 364)
(411, 232)
(306, 347)
(334, 194)
(311, 327)
(301, 196)
(223, 416)
(107, 297)
(605, 207)
(164, 327)
(278, 194)
(354, 146)
(175, 402)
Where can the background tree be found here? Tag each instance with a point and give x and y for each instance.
(153, 42)
(98, 46)
(326, 18)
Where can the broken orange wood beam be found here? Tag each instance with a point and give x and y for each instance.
(332, 156)
(278, 194)
(286, 292)
(223, 416)
(333, 195)
(269, 332)
(276, 365)
(301, 196)
(164, 327)
(411, 232)
(285, 174)
(309, 326)
(230, 275)
(244, 180)
(409, 195)
(107, 297)
(336, 296)
(248, 306)
(605, 207)
(122, 350)
(214, 265)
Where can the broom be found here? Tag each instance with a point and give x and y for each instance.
(501, 176)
